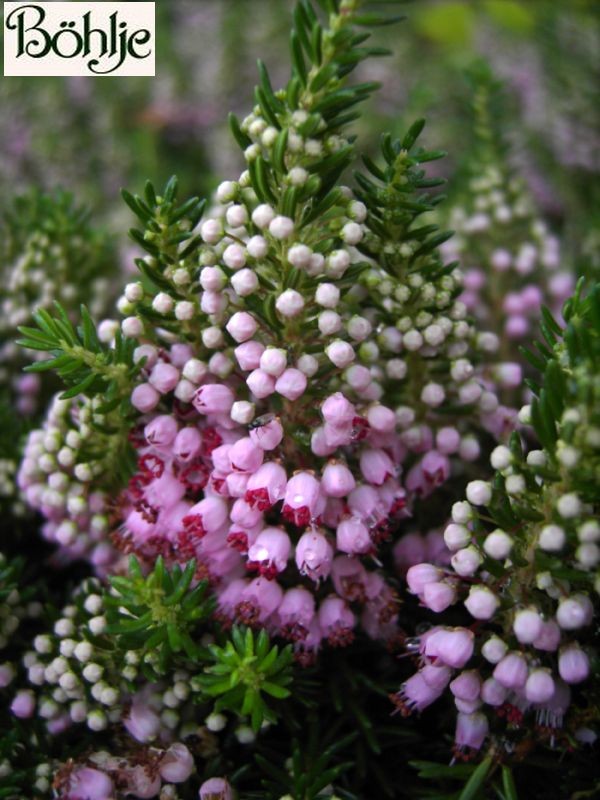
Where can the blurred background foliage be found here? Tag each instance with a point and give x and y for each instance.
(93, 136)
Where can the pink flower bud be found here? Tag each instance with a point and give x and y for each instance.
(527, 625)
(447, 440)
(337, 410)
(270, 552)
(420, 575)
(349, 578)
(573, 664)
(269, 435)
(352, 536)
(417, 693)
(467, 685)
(177, 764)
(261, 384)
(471, 730)
(273, 361)
(161, 430)
(337, 480)
(512, 671)
(213, 302)
(381, 418)
(260, 598)
(291, 384)
(145, 398)
(242, 326)
(340, 353)
(302, 499)
(246, 455)
(141, 783)
(23, 704)
(365, 502)
(549, 637)
(164, 377)
(213, 398)
(376, 466)
(493, 693)
(457, 536)
(90, 784)
(216, 789)
(539, 687)
(248, 355)
(438, 596)
(314, 555)
(358, 377)
(466, 562)
(337, 435)
(575, 612)
(481, 602)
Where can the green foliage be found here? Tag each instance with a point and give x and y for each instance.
(245, 669)
(396, 196)
(81, 360)
(160, 612)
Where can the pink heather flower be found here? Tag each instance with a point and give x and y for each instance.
(381, 419)
(512, 671)
(248, 355)
(365, 502)
(420, 691)
(452, 646)
(493, 693)
(359, 378)
(319, 444)
(337, 410)
(573, 664)
(268, 435)
(213, 302)
(145, 398)
(245, 455)
(221, 459)
(141, 782)
(164, 378)
(142, 722)
(336, 621)
(90, 784)
(229, 596)
(337, 480)
(301, 500)
(376, 466)
(270, 552)
(23, 704)
(177, 764)
(352, 536)
(260, 598)
(549, 637)
(420, 575)
(471, 730)
(296, 612)
(187, 444)
(436, 469)
(574, 612)
(242, 326)
(314, 555)
(291, 384)
(539, 687)
(550, 714)
(260, 383)
(466, 686)
(244, 514)
(266, 486)
(438, 596)
(213, 398)
(161, 430)
(409, 551)
(349, 578)
(337, 436)
(207, 516)
(216, 789)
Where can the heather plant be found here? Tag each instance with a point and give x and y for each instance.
(255, 456)
(512, 262)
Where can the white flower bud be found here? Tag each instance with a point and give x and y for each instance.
(327, 295)
(242, 412)
(479, 493)
(281, 227)
(569, 506)
(134, 292)
(262, 216)
(211, 231)
(340, 353)
(290, 303)
(163, 303)
(132, 327)
(352, 233)
(236, 216)
(226, 191)
(501, 457)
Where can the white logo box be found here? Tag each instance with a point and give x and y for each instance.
(79, 38)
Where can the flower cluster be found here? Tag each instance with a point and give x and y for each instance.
(49, 253)
(524, 564)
